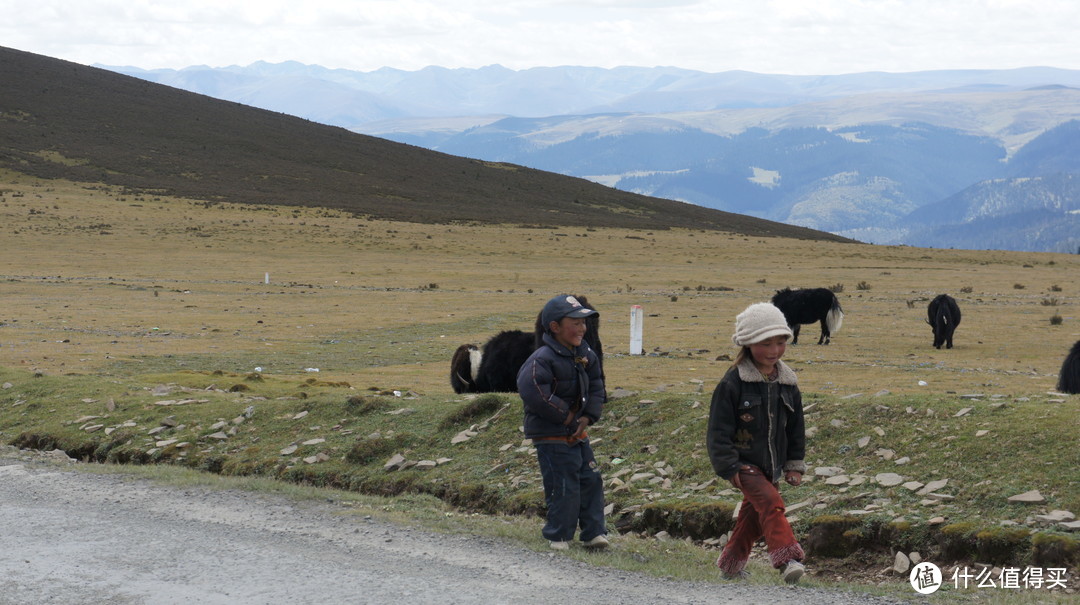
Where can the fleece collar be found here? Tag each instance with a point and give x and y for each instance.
(748, 372)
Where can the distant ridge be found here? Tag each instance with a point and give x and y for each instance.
(64, 120)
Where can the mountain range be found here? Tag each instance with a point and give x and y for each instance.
(958, 158)
(65, 120)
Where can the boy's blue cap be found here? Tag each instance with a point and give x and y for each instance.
(562, 306)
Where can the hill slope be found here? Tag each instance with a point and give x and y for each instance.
(66, 120)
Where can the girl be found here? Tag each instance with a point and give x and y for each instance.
(755, 436)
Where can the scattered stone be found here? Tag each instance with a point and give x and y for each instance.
(8, 385)
(915, 558)
(94, 427)
(300, 415)
(827, 471)
(936, 521)
(888, 479)
(852, 396)
(885, 453)
(837, 480)
(463, 436)
(289, 450)
(913, 485)
(166, 442)
(810, 432)
(1056, 516)
(837, 423)
(1071, 525)
(1031, 497)
(882, 393)
(962, 412)
(169, 421)
(864, 441)
(903, 460)
(662, 536)
(880, 432)
(933, 486)
(218, 435)
(394, 463)
(314, 441)
(901, 564)
(973, 396)
(620, 393)
(426, 464)
(443, 460)
(857, 480)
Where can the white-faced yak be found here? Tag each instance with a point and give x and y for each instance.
(943, 315)
(807, 306)
(494, 367)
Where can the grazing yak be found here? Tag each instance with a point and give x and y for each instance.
(494, 367)
(943, 315)
(1069, 378)
(808, 305)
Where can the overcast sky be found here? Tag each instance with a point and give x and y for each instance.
(767, 36)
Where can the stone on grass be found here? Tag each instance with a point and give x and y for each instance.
(901, 564)
(827, 471)
(933, 486)
(394, 463)
(888, 479)
(1030, 497)
(1056, 516)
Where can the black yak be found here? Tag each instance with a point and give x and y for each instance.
(808, 305)
(1069, 378)
(494, 367)
(943, 315)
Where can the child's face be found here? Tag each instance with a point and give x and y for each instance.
(767, 352)
(569, 331)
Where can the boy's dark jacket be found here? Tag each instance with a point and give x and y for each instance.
(557, 390)
(740, 422)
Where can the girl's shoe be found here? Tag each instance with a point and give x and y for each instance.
(741, 575)
(792, 571)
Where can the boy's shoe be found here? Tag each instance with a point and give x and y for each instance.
(597, 543)
(560, 545)
(792, 571)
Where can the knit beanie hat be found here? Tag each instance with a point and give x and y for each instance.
(758, 322)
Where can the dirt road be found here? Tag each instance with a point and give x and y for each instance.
(72, 537)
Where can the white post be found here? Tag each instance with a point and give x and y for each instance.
(637, 321)
(266, 279)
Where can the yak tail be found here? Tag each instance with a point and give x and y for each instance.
(835, 318)
(464, 368)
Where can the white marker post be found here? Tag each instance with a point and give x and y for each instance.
(266, 279)
(637, 323)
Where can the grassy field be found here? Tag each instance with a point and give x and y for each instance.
(116, 302)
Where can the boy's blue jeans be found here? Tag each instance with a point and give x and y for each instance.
(573, 491)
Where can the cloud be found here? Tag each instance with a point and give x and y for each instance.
(771, 36)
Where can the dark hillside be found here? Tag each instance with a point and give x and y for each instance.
(64, 120)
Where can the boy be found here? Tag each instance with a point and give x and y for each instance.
(562, 389)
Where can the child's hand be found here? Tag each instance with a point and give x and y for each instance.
(738, 482)
(582, 424)
(793, 478)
